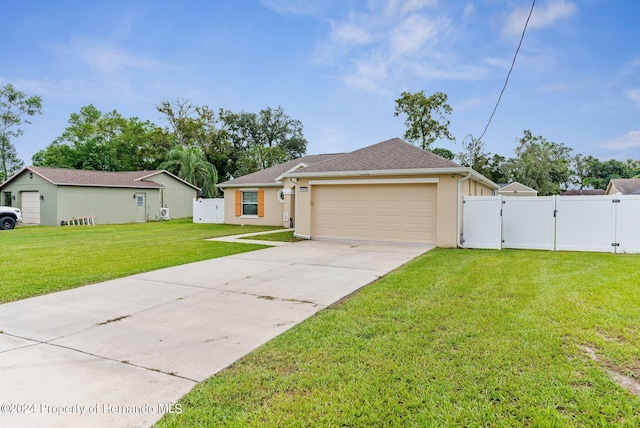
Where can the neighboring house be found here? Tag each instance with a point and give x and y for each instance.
(583, 192)
(515, 189)
(624, 186)
(389, 192)
(51, 196)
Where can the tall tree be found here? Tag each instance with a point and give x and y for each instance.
(474, 155)
(190, 164)
(589, 171)
(426, 117)
(264, 139)
(493, 167)
(197, 126)
(541, 164)
(15, 108)
(445, 153)
(105, 142)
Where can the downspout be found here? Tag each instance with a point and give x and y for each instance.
(459, 211)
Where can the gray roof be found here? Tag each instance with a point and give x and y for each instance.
(81, 177)
(270, 175)
(583, 192)
(393, 154)
(627, 186)
(390, 156)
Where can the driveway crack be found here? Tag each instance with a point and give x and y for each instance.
(101, 357)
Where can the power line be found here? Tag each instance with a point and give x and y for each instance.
(510, 70)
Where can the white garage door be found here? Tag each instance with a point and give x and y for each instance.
(375, 212)
(31, 207)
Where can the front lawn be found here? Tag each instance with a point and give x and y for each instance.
(455, 338)
(38, 260)
(284, 236)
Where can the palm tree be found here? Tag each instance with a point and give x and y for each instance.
(191, 165)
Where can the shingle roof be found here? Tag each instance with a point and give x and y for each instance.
(80, 177)
(627, 186)
(393, 154)
(583, 192)
(268, 176)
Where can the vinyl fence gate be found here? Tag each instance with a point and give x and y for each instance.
(559, 223)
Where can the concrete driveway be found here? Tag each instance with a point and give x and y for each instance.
(122, 352)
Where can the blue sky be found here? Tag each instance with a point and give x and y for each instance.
(337, 65)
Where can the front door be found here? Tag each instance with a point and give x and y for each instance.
(141, 208)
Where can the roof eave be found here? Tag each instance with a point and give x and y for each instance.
(234, 185)
(387, 172)
(119, 186)
(19, 173)
(161, 171)
(292, 169)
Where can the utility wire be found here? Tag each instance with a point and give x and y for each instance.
(510, 70)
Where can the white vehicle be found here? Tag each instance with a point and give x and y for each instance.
(9, 216)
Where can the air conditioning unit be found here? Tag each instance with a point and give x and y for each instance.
(164, 213)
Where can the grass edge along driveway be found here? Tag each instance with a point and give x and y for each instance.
(454, 338)
(40, 260)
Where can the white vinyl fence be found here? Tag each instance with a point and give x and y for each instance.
(574, 223)
(208, 210)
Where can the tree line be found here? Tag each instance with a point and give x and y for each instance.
(205, 147)
(544, 165)
(196, 144)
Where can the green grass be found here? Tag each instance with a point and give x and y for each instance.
(285, 236)
(38, 260)
(454, 338)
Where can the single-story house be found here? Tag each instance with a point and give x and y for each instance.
(515, 189)
(623, 186)
(388, 192)
(54, 196)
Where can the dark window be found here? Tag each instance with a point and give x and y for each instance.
(249, 203)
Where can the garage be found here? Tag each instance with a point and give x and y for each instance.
(31, 207)
(375, 212)
(391, 191)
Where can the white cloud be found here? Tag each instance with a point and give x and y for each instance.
(629, 140)
(368, 75)
(350, 33)
(469, 9)
(414, 33)
(543, 15)
(404, 7)
(101, 70)
(634, 95)
(386, 42)
(294, 7)
(105, 58)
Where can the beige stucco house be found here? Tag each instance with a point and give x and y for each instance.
(54, 196)
(388, 192)
(516, 189)
(623, 186)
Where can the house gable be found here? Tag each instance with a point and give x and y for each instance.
(516, 189)
(625, 186)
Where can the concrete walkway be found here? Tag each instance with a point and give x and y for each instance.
(122, 352)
